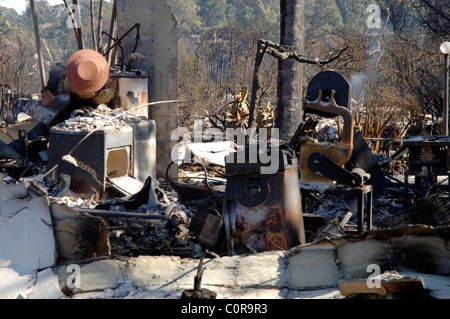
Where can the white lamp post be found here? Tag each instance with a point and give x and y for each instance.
(445, 49)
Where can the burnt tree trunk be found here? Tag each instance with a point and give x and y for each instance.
(290, 72)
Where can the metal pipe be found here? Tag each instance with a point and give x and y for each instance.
(94, 38)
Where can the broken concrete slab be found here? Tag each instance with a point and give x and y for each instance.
(282, 274)
(13, 284)
(155, 271)
(46, 286)
(95, 276)
(327, 293)
(430, 256)
(390, 285)
(249, 293)
(34, 285)
(237, 293)
(26, 233)
(79, 236)
(352, 288)
(220, 272)
(27, 245)
(438, 286)
(421, 248)
(11, 191)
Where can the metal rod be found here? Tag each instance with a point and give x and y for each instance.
(446, 70)
(118, 41)
(94, 38)
(100, 28)
(38, 45)
(75, 30)
(256, 86)
(118, 214)
(48, 51)
(416, 191)
(80, 39)
(112, 31)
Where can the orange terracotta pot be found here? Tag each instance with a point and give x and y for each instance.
(87, 71)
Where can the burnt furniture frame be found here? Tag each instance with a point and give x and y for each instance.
(438, 166)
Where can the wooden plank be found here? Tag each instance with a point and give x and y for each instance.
(404, 284)
(352, 288)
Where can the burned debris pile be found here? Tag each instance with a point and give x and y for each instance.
(99, 159)
(86, 153)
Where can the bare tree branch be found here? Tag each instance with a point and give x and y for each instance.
(280, 52)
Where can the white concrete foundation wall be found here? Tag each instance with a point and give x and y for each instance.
(311, 271)
(28, 258)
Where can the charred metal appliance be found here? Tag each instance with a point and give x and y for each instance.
(262, 212)
(324, 92)
(112, 155)
(324, 163)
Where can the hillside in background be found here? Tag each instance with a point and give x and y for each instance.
(395, 67)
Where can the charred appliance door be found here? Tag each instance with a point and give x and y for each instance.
(263, 212)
